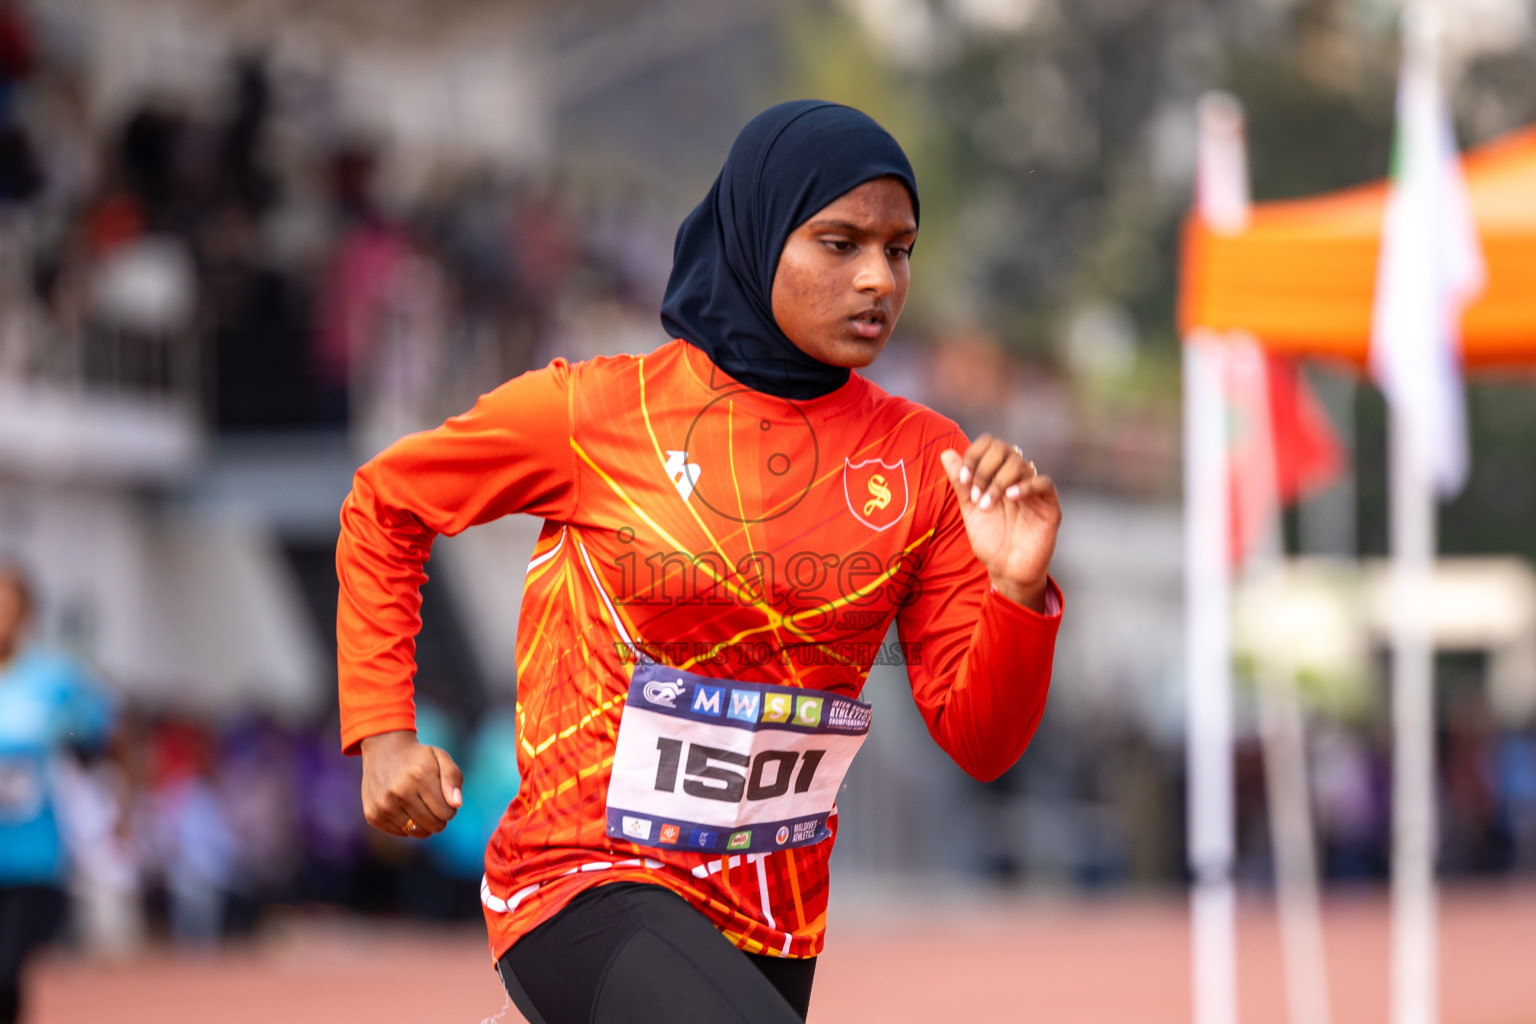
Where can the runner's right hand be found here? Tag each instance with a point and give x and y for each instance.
(405, 780)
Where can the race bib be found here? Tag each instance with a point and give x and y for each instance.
(22, 793)
(713, 765)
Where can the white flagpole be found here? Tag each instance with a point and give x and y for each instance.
(1213, 905)
(1303, 948)
(1430, 268)
(1281, 719)
(1415, 989)
(1223, 203)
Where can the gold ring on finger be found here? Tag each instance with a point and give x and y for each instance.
(410, 827)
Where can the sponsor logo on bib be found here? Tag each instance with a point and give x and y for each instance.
(846, 714)
(669, 834)
(777, 707)
(702, 839)
(708, 700)
(782, 835)
(637, 828)
(664, 692)
(808, 711)
(740, 840)
(744, 705)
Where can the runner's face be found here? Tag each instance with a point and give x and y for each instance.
(843, 275)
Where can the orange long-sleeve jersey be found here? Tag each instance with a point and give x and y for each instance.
(705, 526)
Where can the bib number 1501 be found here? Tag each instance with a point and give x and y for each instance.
(768, 775)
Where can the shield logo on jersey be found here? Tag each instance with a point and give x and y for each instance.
(876, 491)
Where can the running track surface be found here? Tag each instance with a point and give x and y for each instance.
(1062, 961)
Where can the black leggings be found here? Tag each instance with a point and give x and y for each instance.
(632, 953)
(30, 916)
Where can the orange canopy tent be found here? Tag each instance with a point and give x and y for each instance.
(1301, 275)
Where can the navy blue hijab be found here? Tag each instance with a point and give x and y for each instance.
(788, 162)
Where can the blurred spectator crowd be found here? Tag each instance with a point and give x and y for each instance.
(194, 832)
(251, 253)
(1486, 797)
(1101, 805)
(240, 253)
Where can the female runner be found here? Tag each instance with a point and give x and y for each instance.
(732, 522)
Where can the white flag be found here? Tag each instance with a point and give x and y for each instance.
(1430, 266)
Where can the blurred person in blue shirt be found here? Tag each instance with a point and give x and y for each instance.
(47, 705)
(1516, 757)
(188, 835)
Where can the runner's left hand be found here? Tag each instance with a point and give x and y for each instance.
(1011, 515)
